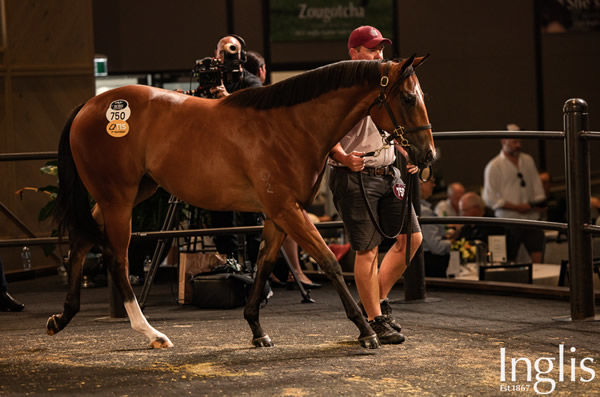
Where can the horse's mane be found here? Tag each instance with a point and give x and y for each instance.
(308, 85)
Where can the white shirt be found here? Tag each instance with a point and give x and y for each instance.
(444, 208)
(501, 183)
(365, 137)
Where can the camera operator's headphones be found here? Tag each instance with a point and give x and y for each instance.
(243, 57)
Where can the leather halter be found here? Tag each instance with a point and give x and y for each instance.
(399, 131)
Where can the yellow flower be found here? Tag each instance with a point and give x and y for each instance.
(467, 251)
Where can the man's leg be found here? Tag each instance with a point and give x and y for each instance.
(225, 244)
(394, 262)
(365, 277)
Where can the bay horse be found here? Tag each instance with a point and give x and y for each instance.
(260, 149)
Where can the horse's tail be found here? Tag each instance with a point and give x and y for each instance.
(72, 211)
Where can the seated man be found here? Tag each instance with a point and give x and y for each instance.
(470, 204)
(449, 207)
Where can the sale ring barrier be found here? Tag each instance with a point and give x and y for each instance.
(576, 137)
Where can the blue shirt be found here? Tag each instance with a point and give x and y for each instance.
(433, 234)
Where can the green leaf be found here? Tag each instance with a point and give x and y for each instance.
(47, 211)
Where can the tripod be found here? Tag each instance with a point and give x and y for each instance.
(168, 224)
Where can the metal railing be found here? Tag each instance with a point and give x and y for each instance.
(575, 135)
(577, 175)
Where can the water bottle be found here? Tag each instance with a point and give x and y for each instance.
(26, 258)
(147, 263)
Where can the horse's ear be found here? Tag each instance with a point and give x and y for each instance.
(419, 60)
(407, 63)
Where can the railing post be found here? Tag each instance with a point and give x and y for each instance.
(577, 170)
(414, 276)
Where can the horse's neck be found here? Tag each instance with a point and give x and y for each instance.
(328, 118)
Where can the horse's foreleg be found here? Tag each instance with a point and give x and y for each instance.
(272, 238)
(308, 237)
(118, 229)
(57, 322)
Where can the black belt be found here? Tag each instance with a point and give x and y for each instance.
(380, 171)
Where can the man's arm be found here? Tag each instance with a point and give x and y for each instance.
(352, 160)
(410, 167)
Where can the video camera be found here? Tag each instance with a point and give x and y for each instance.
(211, 72)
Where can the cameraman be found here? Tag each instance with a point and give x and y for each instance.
(229, 45)
(229, 244)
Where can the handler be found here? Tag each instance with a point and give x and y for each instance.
(379, 177)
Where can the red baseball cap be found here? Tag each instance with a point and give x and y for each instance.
(366, 36)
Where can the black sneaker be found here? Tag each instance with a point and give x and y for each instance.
(385, 333)
(386, 311)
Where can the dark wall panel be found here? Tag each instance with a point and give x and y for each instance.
(153, 35)
(248, 23)
(481, 74)
(41, 35)
(46, 69)
(571, 63)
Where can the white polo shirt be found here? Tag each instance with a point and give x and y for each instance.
(365, 137)
(501, 183)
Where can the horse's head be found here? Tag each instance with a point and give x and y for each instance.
(400, 110)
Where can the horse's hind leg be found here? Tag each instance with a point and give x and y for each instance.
(272, 238)
(78, 251)
(300, 228)
(118, 229)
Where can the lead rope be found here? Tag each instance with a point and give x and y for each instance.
(398, 135)
(407, 204)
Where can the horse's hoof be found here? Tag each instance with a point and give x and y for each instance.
(161, 343)
(369, 342)
(51, 325)
(263, 341)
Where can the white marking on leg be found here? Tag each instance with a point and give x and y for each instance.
(140, 324)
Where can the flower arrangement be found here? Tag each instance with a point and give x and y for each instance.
(466, 249)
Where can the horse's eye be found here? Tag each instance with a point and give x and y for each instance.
(409, 99)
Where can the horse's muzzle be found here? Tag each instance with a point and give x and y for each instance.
(429, 157)
(422, 159)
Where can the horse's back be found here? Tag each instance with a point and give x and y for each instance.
(178, 140)
(116, 132)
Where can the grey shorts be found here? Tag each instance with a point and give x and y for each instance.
(350, 204)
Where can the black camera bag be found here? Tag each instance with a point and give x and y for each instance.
(220, 290)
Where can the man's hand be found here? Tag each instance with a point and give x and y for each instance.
(354, 161)
(412, 169)
(219, 91)
(523, 208)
